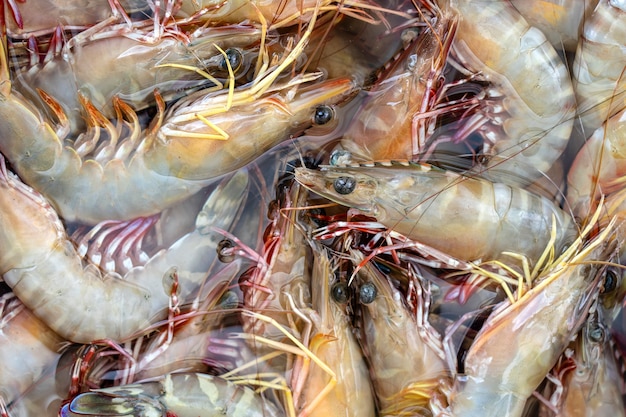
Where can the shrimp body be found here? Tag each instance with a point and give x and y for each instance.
(28, 348)
(519, 343)
(466, 217)
(383, 127)
(598, 166)
(599, 65)
(131, 70)
(76, 300)
(151, 169)
(529, 105)
(182, 395)
(593, 388)
(406, 369)
(334, 343)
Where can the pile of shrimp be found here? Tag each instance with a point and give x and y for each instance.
(313, 208)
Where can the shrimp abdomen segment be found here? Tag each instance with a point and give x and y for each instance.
(111, 307)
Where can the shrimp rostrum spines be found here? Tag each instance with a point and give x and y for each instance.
(73, 297)
(466, 217)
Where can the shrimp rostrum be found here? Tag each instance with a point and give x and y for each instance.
(72, 296)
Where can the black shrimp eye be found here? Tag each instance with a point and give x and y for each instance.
(610, 282)
(339, 292)
(367, 293)
(223, 252)
(344, 185)
(323, 114)
(235, 59)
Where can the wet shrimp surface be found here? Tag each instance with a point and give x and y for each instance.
(313, 208)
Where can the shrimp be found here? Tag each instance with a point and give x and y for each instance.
(520, 342)
(384, 127)
(527, 112)
(599, 65)
(560, 20)
(592, 388)
(45, 271)
(334, 343)
(180, 394)
(200, 140)
(599, 166)
(468, 218)
(28, 348)
(123, 67)
(405, 357)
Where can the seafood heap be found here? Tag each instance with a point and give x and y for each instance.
(312, 208)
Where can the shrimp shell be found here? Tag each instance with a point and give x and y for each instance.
(468, 218)
(533, 105)
(78, 302)
(600, 64)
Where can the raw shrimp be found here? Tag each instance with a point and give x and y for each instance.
(129, 69)
(560, 20)
(405, 356)
(599, 167)
(594, 386)
(520, 342)
(527, 112)
(28, 348)
(466, 217)
(197, 142)
(182, 394)
(384, 127)
(600, 64)
(80, 304)
(334, 343)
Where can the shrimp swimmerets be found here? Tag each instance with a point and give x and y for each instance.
(466, 217)
(129, 69)
(183, 395)
(201, 139)
(43, 268)
(520, 342)
(527, 114)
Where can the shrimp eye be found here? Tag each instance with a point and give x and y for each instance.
(235, 59)
(323, 114)
(367, 293)
(344, 185)
(610, 282)
(224, 254)
(339, 292)
(339, 157)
